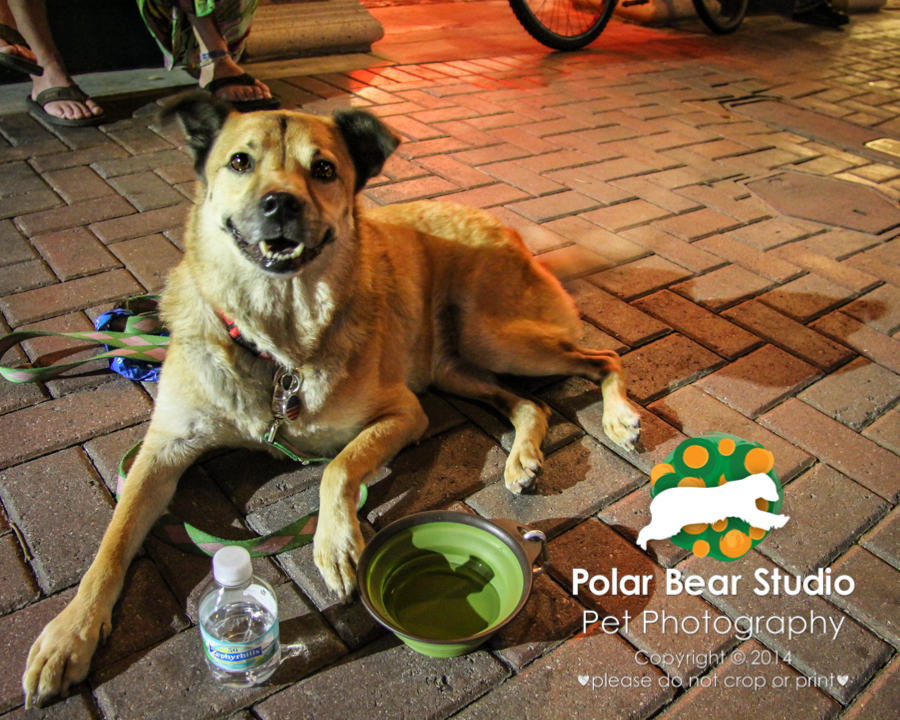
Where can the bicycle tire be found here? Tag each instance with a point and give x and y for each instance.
(564, 24)
(721, 16)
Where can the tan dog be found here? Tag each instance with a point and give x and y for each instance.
(368, 309)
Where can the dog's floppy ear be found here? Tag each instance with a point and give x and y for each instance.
(201, 116)
(369, 141)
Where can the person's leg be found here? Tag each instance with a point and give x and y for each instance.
(7, 18)
(31, 18)
(211, 41)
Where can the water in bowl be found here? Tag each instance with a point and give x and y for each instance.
(440, 597)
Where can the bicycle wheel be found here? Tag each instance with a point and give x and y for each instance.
(564, 24)
(722, 16)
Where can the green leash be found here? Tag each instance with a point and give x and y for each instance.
(140, 340)
(185, 536)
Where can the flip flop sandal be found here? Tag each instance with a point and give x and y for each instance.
(242, 106)
(62, 93)
(14, 62)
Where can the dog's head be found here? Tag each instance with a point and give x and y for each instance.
(764, 486)
(279, 187)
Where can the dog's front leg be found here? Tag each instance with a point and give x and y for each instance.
(61, 656)
(338, 540)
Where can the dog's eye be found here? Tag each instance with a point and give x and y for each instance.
(323, 170)
(241, 162)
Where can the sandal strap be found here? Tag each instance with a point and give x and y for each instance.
(216, 85)
(54, 94)
(11, 36)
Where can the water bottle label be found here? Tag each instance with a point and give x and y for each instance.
(241, 657)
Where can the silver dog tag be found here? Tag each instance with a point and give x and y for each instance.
(286, 404)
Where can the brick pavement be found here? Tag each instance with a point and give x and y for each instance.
(625, 168)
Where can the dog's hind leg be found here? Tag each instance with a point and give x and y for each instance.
(61, 655)
(764, 520)
(535, 348)
(338, 540)
(528, 418)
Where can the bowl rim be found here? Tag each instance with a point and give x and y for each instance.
(436, 516)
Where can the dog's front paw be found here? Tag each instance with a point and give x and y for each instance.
(522, 465)
(622, 424)
(337, 546)
(61, 656)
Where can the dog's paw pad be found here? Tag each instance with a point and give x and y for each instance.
(61, 656)
(622, 425)
(522, 466)
(336, 556)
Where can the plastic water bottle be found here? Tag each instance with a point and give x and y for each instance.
(239, 621)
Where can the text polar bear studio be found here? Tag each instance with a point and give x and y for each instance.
(672, 510)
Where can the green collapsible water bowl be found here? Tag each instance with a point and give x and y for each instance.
(444, 582)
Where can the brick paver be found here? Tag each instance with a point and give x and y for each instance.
(699, 324)
(695, 413)
(74, 253)
(880, 698)
(666, 365)
(64, 485)
(861, 459)
(614, 316)
(757, 382)
(26, 307)
(549, 617)
(853, 651)
(722, 288)
(389, 681)
(762, 698)
(876, 346)
(579, 400)
(829, 512)
(806, 298)
(640, 277)
(561, 692)
(575, 483)
(631, 178)
(855, 394)
(876, 599)
(884, 539)
(19, 587)
(789, 335)
(129, 688)
(578, 548)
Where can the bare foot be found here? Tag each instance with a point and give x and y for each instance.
(67, 109)
(224, 68)
(21, 51)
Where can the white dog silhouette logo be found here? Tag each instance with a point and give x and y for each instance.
(681, 506)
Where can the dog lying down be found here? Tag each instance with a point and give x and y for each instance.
(365, 308)
(679, 506)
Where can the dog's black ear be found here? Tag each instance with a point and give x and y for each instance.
(369, 141)
(201, 116)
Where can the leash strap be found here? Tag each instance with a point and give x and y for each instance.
(140, 340)
(185, 536)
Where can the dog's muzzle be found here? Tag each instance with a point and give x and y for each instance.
(280, 239)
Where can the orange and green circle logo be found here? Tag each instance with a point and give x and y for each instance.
(711, 461)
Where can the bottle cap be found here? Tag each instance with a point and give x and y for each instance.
(231, 566)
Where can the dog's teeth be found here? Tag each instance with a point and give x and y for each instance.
(297, 251)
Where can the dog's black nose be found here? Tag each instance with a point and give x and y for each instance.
(281, 206)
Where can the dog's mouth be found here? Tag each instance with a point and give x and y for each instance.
(280, 255)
